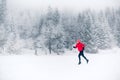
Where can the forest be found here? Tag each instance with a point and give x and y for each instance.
(55, 31)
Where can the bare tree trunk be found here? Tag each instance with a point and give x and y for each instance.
(49, 46)
(36, 51)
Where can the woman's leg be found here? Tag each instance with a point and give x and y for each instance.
(84, 57)
(79, 58)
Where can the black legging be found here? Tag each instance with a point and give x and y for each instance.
(81, 54)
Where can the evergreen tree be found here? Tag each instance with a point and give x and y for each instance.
(51, 29)
(118, 27)
(2, 11)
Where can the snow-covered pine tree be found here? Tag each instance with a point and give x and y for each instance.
(2, 10)
(111, 19)
(118, 27)
(69, 24)
(52, 30)
(92, 48)
(103, 32)
(86, 31)
(3, 32)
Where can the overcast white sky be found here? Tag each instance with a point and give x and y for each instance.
(64, 4)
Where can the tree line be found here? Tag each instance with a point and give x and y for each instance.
(55, 31)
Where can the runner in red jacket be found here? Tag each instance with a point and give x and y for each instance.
(80, 46)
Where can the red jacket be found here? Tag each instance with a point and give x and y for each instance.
(80, 46)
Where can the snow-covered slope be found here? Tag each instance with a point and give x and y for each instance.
(102, 66)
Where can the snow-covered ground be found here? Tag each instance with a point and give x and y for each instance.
(102, 66)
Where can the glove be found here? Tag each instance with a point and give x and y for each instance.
(74, 47)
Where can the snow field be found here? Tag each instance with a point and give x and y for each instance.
(102, 66)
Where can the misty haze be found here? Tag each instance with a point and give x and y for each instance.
(38, 37)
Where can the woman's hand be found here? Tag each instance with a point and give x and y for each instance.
(74, 47)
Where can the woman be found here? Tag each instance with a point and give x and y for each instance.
(80, 46)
